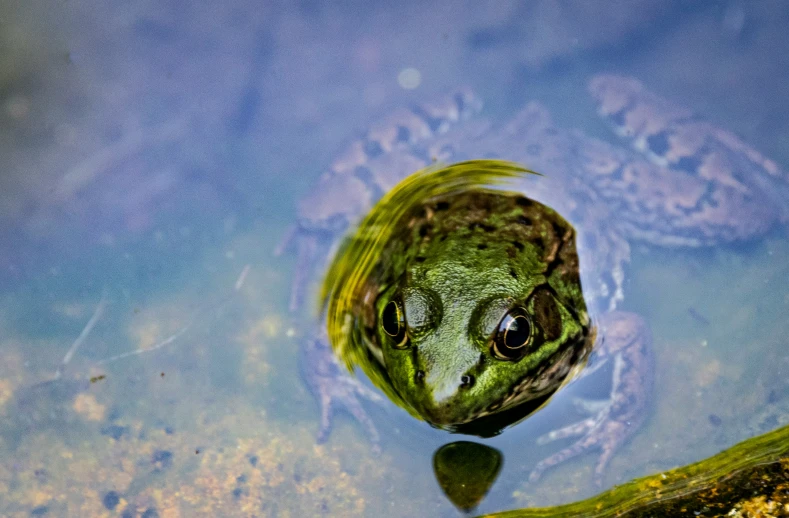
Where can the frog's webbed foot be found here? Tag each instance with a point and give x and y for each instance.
(334, 389)
(601, 430)
(613, 420)
(346, 391)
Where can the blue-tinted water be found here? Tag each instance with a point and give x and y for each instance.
(152, 154)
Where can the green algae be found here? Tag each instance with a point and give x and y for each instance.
(751, 477)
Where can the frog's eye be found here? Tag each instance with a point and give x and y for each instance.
(393, 323)
(512, 336)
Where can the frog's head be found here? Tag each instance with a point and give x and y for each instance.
(488, 313)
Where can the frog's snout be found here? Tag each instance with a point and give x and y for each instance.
(445, 404)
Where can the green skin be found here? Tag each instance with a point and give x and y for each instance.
(464, 262)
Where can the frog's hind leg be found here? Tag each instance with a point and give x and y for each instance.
(627, 343)
(719, 188)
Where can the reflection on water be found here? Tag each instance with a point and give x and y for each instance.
(153, 151)
(465, 471)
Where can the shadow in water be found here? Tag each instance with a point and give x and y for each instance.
(466, 471)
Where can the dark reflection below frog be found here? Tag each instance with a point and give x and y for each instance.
(463, 304)
(466, 471)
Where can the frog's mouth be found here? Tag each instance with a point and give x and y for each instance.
(490, 425)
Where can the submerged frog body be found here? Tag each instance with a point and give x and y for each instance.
(690, 184)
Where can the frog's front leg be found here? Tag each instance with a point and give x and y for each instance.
(624, 339)
(334, 388)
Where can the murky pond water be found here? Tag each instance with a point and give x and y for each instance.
(153, 155)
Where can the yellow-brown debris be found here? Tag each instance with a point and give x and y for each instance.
(708, 373)
(6, 393)
(255, 369)
(88, 407)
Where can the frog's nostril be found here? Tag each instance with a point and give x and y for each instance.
(466, 381)
(420, 376)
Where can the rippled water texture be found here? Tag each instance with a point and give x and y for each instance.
(151, 158)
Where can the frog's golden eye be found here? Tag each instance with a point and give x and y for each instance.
(512, 336)
(393, 323)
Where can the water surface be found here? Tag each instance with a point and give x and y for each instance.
(152, 153)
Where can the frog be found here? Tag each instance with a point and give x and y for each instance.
(448, 281)
(665, 178)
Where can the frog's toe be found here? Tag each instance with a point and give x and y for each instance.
(587, 429)
(345, 394)
(605, 435)
(557, 458)
(574, 430)
(582, 445)
(592, 406)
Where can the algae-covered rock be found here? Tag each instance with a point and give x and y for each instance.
(748, 480)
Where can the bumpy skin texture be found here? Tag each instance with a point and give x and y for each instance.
(688, 183)
(459, 265)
